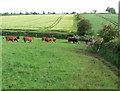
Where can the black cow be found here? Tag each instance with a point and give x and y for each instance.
(73, 39)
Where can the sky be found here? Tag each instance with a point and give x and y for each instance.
(58, 6)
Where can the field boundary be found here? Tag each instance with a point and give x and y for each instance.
(40, 34)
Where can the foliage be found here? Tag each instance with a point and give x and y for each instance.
(111, 10)
(58, 35)
(84, 26)
(43, 12)
(94, 11)
(113, 45)
(108, 32)
(107, 43)
(26, 13)
(73, 12)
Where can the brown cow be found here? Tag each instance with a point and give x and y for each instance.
(54, 39)
(48, 39)
(28, 39)
(43, 38)
(12, 38)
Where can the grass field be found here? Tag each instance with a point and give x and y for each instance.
(98, 19)
(38, 22)
(60, 65)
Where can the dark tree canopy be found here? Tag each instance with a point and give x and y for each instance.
(84, 26)
(111, 10)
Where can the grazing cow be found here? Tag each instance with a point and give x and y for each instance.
(72, 39)
(54, 39)
(43, 38)
(48, 39)
(28, 39)
(12, 38)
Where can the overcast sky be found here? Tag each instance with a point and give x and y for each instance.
(78, 6)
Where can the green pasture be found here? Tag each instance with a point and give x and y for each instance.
(38, 23)
(60, 65)
(98, 19)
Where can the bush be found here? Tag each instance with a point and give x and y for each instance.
(84, 26)
(108, 32)
(113, 45)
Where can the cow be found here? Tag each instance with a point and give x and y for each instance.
(54, 39)
(12, 38)
(28, 39)
(73, 39)
(43, 38)
(49, 39)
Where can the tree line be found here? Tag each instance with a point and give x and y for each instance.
(35, 13)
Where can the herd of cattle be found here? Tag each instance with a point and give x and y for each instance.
(46, 39)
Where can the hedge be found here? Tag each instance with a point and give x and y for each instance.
(41, 34)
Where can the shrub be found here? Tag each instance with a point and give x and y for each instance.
(42, 34)
(108, 32)
(84, 26)
(113, 45)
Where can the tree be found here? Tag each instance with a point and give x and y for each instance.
(84, 26)
(26, 13)
(6, 13)
(20, 13)
(94, 11)
(34, 13)
(48, 12)
(66, 13)
(111, 10)
(73, 12)
(53, 13)
(108, 32)
(77, 16)
(43, 12)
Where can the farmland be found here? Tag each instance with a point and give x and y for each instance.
(41, 23)
(38, 23)
(60, 65)
(98, 19)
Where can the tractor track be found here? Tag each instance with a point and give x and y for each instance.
(55, 23)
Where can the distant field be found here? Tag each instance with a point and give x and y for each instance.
(38, 22)
(98, 19)
(60, 65)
